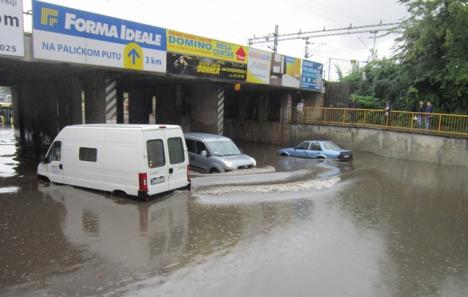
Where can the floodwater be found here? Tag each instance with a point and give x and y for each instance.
(373, 227)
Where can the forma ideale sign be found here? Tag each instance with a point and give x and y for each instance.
(70, 35)
(11, 28)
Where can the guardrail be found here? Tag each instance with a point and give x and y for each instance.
(417, 122)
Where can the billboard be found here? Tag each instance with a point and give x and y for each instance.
(70, 35)
(285, 71)
(187, 44)
(205, 67)
(311, 75)
(11, 28)
(258, 66)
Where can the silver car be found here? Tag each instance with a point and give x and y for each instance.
(214, 153)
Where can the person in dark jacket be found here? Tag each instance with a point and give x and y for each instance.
(428, 111)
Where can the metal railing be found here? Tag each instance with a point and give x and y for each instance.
(424, 123)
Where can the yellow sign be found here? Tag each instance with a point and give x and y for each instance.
(49, 17)
(183, 43)
(133, 56)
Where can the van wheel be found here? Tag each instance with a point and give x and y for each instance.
(214, 170)
(119, 194)
(43, 178)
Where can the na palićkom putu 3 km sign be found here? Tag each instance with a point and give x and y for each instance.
(71, 35)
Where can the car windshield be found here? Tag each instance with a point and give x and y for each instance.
(330, 146)
(223, 148)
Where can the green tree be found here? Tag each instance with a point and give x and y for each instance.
(433, 54)
(431, 62)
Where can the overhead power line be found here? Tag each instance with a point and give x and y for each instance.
(275, 38)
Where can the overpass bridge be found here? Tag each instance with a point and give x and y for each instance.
(159, 71)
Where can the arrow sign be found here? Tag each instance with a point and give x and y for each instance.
(134, 55)
(240, 54)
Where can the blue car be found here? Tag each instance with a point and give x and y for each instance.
(317, 149)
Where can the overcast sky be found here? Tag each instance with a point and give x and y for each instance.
(236, 21)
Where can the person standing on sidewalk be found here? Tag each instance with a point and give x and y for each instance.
(420, 110)
(300, 110)
(388, 110)
(428, 111)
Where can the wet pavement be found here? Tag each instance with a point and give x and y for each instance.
(373, 227)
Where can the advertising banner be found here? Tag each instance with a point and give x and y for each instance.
(70, 35)
(258, 66)
(11, 28)
(285, 71)
(205, 67)
(311, 75)
(183, 43)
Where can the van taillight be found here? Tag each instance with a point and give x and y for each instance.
(143, 182)
(188, 175)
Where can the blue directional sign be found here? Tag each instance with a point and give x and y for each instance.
(311, 75)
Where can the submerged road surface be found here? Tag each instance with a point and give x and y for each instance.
(373, 227)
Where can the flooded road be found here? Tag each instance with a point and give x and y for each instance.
(373, 227)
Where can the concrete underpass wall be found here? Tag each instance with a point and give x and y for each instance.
(264, 116)
(406, 146)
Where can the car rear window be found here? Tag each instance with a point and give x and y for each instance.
(156, 157)
(176, 150)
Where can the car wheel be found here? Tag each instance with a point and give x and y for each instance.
(321, 158)
(214, 170)
(284, 154)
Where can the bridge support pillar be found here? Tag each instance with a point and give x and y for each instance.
(43, 108)
(95, 98)
(207, 108)
(166, 104)
(139, 105)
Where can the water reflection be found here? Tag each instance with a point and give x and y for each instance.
(133, 234)
(384, 228)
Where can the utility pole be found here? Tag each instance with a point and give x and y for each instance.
(275, 41)
(373, 51)
(306, 50)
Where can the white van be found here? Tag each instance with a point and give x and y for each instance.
(138, 160)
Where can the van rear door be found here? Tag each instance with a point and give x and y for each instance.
(157, 165)
(178, 161)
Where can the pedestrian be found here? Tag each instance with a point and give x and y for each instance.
(388, 110)
(353, 105)
(428, 111)
(300, 110)
(420, 110)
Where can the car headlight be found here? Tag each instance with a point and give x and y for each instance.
(229, 164)
(254, 163)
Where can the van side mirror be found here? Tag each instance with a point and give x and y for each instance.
(204, 153)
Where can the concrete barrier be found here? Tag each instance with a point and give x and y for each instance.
(400, 145)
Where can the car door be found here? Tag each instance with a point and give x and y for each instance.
(300, 150)
(314, 150)
(203, 161)
(177, 159)
(53, 162)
